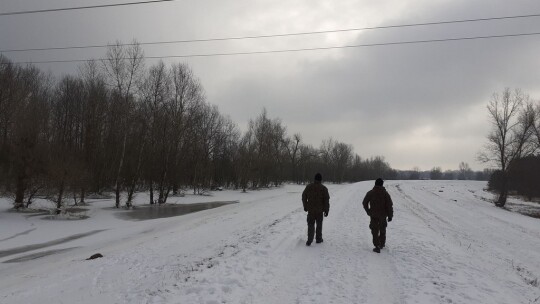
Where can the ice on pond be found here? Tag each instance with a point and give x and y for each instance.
(163, 211)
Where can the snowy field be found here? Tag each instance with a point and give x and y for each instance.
(446, 244)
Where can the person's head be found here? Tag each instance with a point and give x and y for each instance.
(379, 182)
(318, 177)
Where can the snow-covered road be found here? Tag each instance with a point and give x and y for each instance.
(445, 245)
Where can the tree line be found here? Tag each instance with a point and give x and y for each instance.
(436, 173)
(121, 126)
(513, 145)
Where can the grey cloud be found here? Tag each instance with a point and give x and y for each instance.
(381, 95)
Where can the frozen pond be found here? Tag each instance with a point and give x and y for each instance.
(163, 211)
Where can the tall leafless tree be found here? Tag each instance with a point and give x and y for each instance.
(95, 110)
(509, 138)
(293, 145)
(465, 172)
(67, 139)
(26, 126)
(123, 67)
(536, 126)
(436, 173)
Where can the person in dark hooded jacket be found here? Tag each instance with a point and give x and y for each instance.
(316, 201)
(378, 206)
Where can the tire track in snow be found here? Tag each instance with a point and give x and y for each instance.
(330, 272)
(174, 272)
(478, 263)
(18, 234)
(226, 275)
(382, 282)
(271, 264)
(343, 269)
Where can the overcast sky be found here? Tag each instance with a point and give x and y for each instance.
(418, 105)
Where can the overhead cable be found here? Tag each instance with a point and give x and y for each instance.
(81, 7)
(299, 50)
(270, 35)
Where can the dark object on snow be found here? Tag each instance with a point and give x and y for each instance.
(308, 243)
(95, 256)
(379, 182)
(378, 205)
(377, 250)
(316, 201)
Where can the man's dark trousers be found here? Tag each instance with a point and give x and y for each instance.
(378, 230)
(312, 218)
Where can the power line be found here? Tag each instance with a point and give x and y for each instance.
(80, 7)
(274, 35)
(300, 50)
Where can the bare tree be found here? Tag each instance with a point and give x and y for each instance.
(293, 145)
(264, 146)
(155, 94)
(224, 155)
(27, 127)
(415, 173)
(67, 138)
(337, 158)
(509, 138)
(187, 96)
(246, 159)
(310, 162)
(95, 106)
(342, 155)
(123, 66)
(536, 126)
(436, 173)
(465, 171)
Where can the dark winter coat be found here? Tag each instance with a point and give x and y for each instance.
(316, 198)
(378, 203)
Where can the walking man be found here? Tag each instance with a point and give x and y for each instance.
(316, 202)
(378, 206)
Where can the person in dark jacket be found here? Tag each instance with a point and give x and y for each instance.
(316, 202)
(378, 206)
